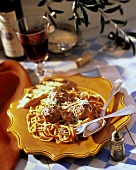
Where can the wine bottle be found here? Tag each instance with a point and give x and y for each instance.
(10, 11)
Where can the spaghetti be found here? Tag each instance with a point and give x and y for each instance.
(62, 109)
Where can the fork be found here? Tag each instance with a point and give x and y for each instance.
(128, 110)
(115, 88)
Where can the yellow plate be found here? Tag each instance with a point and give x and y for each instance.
(83, 148)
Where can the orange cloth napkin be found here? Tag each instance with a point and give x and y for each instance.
(13, 80)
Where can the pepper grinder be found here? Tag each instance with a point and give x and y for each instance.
(117, 149)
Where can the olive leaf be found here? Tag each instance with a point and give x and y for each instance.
(43, 2)
(123, 1)
(111, 10)
(52, 20)
(85, 16)
(119, 22)
(133, 34)
(102, 24)
(132, 46)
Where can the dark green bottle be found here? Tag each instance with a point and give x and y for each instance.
(10, 11)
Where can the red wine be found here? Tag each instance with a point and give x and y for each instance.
(35, 45)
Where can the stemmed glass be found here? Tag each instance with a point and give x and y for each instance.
(32, 31)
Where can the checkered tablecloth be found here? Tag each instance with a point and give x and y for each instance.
(112, 65)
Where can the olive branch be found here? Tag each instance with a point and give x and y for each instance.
(103, 7)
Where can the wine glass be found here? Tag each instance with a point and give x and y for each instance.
(32, 31)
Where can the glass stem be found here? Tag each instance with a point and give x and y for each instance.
(40, 68)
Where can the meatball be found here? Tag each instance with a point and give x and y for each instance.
(52, 115)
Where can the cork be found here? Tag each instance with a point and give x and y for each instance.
(84, 59)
